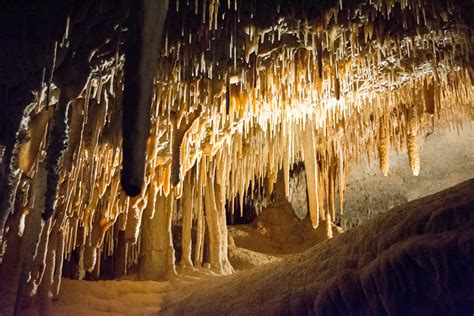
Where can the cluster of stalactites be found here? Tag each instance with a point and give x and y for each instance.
(93, 207)
(298, 91)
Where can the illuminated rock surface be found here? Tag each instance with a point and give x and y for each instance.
(413, 260)
(132, 133)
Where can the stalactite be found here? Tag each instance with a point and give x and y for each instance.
(135, 213)
(384, 146)
(45, 287)
(10, 172)
(56, 147)
(286, 165)
(58, 266)
(53, 264)
(340, 176)
(178, 133)
(311, 167)
(146, 25)
(36, 130)
(412, 143)
(429, 96)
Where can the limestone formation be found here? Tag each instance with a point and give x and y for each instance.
(157, 115)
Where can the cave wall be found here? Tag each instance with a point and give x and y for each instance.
(369, 192)
(446, 157)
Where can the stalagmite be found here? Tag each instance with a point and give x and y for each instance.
(331, 189)
(326, 227)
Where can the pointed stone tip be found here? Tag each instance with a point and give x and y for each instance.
(131, 189)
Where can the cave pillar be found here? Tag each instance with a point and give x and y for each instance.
(10, 270)
(45, 294)
(187, 223)
(200, 227)
(157, 252)
(51, 281)
(221, 213)
(311, 168)
(18, 262)
(120, 255)
(28, 289)
(216, 223)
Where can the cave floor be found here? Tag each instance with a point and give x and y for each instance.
(124, 297)
(269, 279)
(274, 236)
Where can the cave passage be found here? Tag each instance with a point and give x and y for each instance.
(147, 139)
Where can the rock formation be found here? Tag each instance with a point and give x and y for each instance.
(130, 117)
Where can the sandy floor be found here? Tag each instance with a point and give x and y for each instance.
(275, 236)
(400, 242)
(124, 297)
